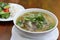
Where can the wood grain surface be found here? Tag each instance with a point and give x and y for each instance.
(51, 5)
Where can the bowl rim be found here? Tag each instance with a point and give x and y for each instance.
(35, 9)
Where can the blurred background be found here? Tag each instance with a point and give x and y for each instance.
(51, 5)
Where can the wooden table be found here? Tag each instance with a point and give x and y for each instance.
(51, 5)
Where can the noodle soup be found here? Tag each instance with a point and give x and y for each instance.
(35, 21)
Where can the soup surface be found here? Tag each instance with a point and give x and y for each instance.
(35, 21)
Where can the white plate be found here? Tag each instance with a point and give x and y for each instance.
(16, 35)
(14, 8)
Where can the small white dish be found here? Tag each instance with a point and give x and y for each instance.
(14, 8)
(18, 35)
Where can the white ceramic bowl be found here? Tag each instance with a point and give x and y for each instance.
(36, 10)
